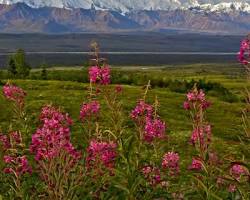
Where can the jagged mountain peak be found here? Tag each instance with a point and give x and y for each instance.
(124, 6)
(99, 16)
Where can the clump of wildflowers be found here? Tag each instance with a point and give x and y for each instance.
(14, 94)
(16, 162)
(143, 110)
(89, 110)
(196, 98)
(99, 75)
(101, 155)
(55, 154)
(154, 128)
(152, 175)
(170, 161)
(149, 124)
(197, 104)
(53, 136)
(17, 165)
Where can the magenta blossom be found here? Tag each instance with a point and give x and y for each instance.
(53, 136)
(141, 110)
(5, 142)
(101, 154)
(170, 161)
(202, 135)
(15, 94)
(196, 165)
(100, 75)
(194, 97)
(237, 171)
(94, 74)
(17, 165)
(154, 128)
(89, 110)
(152, 175)
(186, 105)
(244, 49)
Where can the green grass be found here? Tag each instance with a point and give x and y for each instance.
(224, 117)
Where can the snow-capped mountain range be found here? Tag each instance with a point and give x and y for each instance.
(60, 16)
(125, 6)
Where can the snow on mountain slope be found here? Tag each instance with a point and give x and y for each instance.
(124, 6)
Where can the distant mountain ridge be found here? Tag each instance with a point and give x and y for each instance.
(22, 18)
(125, 6)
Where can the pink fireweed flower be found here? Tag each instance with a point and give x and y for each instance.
(101, 154)
(141, 110)
(5, 142)
(94, 74)
(17, 165)
(237, 171)
(154, 128)
(170, 161)
(152, 175)
(8, 159)
(196, 96)
(16, 137)
(186, 105)
(202, 135)
(196, 165)
(89, 110)
(244, 49)
(53, 136)
(99, 75)
(14, 93)
(105, 75)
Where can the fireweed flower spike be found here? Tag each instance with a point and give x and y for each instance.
(154, 128)
(15, 94)
(101, 155)
(89, 110)
(4, 142)
(99, 75)
(141, 110)
(170, 161)
(54, 153)
(197, 104)
(152, 175)
(15, 161)
(196, 165)
(17, 165)
(244, 49)
(53, 136)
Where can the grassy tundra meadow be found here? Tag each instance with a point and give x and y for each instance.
(67, 89)
(101, 132)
